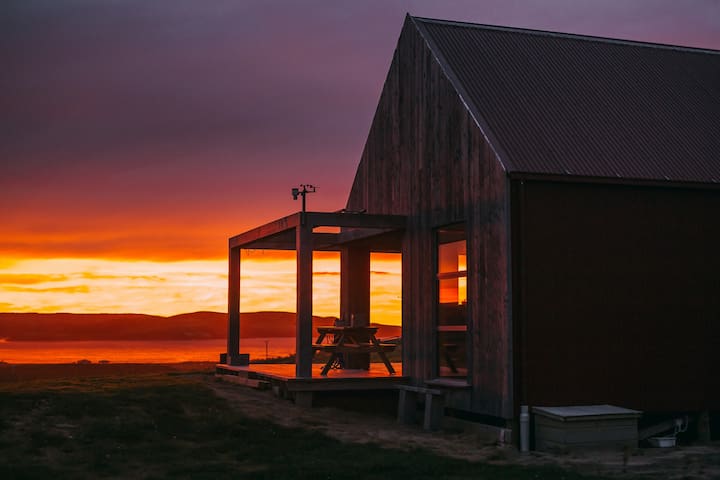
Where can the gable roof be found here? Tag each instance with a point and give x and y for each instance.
(571, 105)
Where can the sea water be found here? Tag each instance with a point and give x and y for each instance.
(140, 351)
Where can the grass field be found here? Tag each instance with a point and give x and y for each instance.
(172, 425)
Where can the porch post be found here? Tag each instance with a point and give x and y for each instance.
(303, 323)
(355, 284)
(233, 337)
(355, 295)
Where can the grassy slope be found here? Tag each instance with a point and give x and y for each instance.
(160, 426)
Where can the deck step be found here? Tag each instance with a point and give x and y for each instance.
(243, 380)
(231, 372)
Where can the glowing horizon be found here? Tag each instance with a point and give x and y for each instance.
(92, 285)
(130, 159)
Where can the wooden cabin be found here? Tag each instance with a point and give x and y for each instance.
(556, 200)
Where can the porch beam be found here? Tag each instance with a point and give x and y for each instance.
(357, 220)
(303, 321)
(379, 240)
(263, 233)
(321, 241)
(267, 230)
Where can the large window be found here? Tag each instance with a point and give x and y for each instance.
(452, 301)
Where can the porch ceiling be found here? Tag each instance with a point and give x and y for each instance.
(378, 232)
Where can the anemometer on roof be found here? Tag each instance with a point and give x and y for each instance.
(302, 191)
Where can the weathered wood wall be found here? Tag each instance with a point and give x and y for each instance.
(621, 296)
(426, 158)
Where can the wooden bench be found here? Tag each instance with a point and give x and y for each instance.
(407, 405)
(353, 347)
(351, 340)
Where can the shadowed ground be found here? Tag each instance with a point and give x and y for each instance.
(183, 423)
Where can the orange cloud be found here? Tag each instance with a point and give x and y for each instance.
(92, 276)
(67, 290)
(29, 279)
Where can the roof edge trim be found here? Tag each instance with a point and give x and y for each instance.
(489, 136)
(641, 182)
(574, 36)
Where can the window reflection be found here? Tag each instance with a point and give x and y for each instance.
(452, 358)
(452, 302)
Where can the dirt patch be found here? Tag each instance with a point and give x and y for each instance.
(686, 462)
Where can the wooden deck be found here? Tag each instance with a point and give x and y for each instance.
(283, 376)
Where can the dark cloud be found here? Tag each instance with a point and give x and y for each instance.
(133, 77)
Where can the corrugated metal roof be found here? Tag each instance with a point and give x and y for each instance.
(564, 104)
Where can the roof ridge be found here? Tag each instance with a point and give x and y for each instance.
(575, 36)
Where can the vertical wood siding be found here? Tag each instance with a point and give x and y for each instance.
(426, 158)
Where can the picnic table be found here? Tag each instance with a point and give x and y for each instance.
(340, 340)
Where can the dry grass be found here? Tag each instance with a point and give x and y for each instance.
(160, 421)
(175, 425)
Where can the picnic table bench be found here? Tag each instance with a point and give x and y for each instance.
(351, 340)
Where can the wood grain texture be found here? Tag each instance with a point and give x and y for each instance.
(426, 158)
(233, 337)
(303, 325)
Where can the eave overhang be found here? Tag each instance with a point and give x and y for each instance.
(382, 231)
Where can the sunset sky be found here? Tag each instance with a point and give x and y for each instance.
(137, 136)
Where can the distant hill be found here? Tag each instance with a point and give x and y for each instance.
(131, 326)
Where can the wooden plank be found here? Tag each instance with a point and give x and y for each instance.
(434, 410)
(286, 241)
(356, 220)
(355, 295)
(423, 390)
(426, 158)
(241, 380)
(304, 331)
(275, 227)
(330, 384)
(357, 234)
(233, 337)
(277, 234)
(355, 285)
(355, 348)
(407, 406)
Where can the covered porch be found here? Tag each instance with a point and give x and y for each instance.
(355, 236)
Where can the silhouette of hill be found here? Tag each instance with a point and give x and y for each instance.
(133, 326)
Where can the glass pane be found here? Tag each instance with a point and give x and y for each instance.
(452, 257)
(452, 354)
(452, 314)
